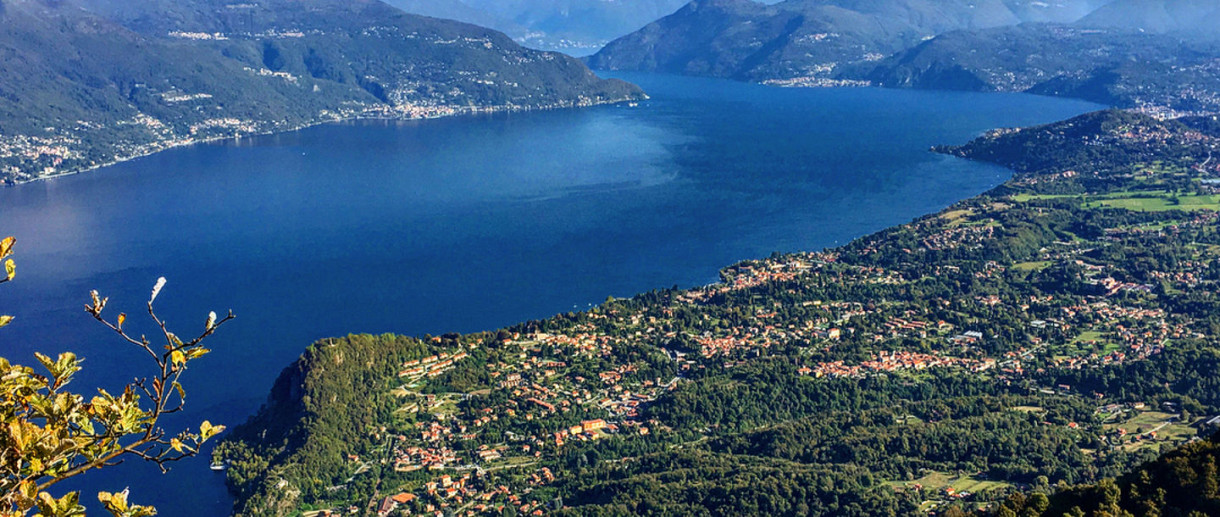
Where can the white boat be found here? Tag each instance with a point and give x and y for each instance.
(219, 467)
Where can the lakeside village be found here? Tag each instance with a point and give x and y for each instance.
(569, 385)
(57, 152)
(91, 144)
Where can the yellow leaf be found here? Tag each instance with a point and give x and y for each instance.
(5, 320)
(177, 357)
(46, 362)
(176, 444)
(10, 268)
(122, 318)
(48, 503)
(6, 246)
(114, 502)
(207, 430)
(27, 489)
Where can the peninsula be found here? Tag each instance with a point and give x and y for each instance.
(1057, 330)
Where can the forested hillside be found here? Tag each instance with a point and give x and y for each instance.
(1118, 67)
(1154, 55)
(89, 82)
(1182, 482)
(746, 40)
(1059, 330)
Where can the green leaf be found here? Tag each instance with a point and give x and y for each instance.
(47, 362)
(66, 506)
(10, 268)
(66, 366)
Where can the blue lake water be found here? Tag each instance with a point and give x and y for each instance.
(462, 224)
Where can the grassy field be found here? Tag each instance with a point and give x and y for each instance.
(1205, 250)
(1166, 425)
(1088, 342)
(1025, 198)
(935, 483)
(1140, 201)
(1088, 335)
(938, 481)
(1159, 203)
(1029, 409)
(1032, 266)
(954, 217)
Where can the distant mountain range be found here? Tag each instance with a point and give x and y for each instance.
(1118, 67)
(90, 82)
(1196, 18)
(794, 39)
(1159, 54)
(578, 27)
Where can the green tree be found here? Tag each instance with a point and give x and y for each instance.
(49, 434)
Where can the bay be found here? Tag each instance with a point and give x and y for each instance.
(462, 224)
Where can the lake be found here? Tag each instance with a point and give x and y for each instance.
(462, 224)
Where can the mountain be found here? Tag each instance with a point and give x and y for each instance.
(1197, 18)
(89, 82)
(578, 27)
(461, 11)
(1055, 11)
(805, 40)
(1110, 66)
(590, 23)
(1131, 53)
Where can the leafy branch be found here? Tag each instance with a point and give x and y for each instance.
(48, 435)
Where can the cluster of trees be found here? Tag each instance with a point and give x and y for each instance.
(49, 434)
(1184, 482)
(321, 411)
(696, 482)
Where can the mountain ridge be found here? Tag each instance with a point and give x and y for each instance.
(574, 26)
(1117, 67)
(263, 66)
(802, 39)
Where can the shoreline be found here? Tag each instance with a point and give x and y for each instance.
(476, 110)
(798, 260)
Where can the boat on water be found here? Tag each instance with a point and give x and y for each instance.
(219, 467)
